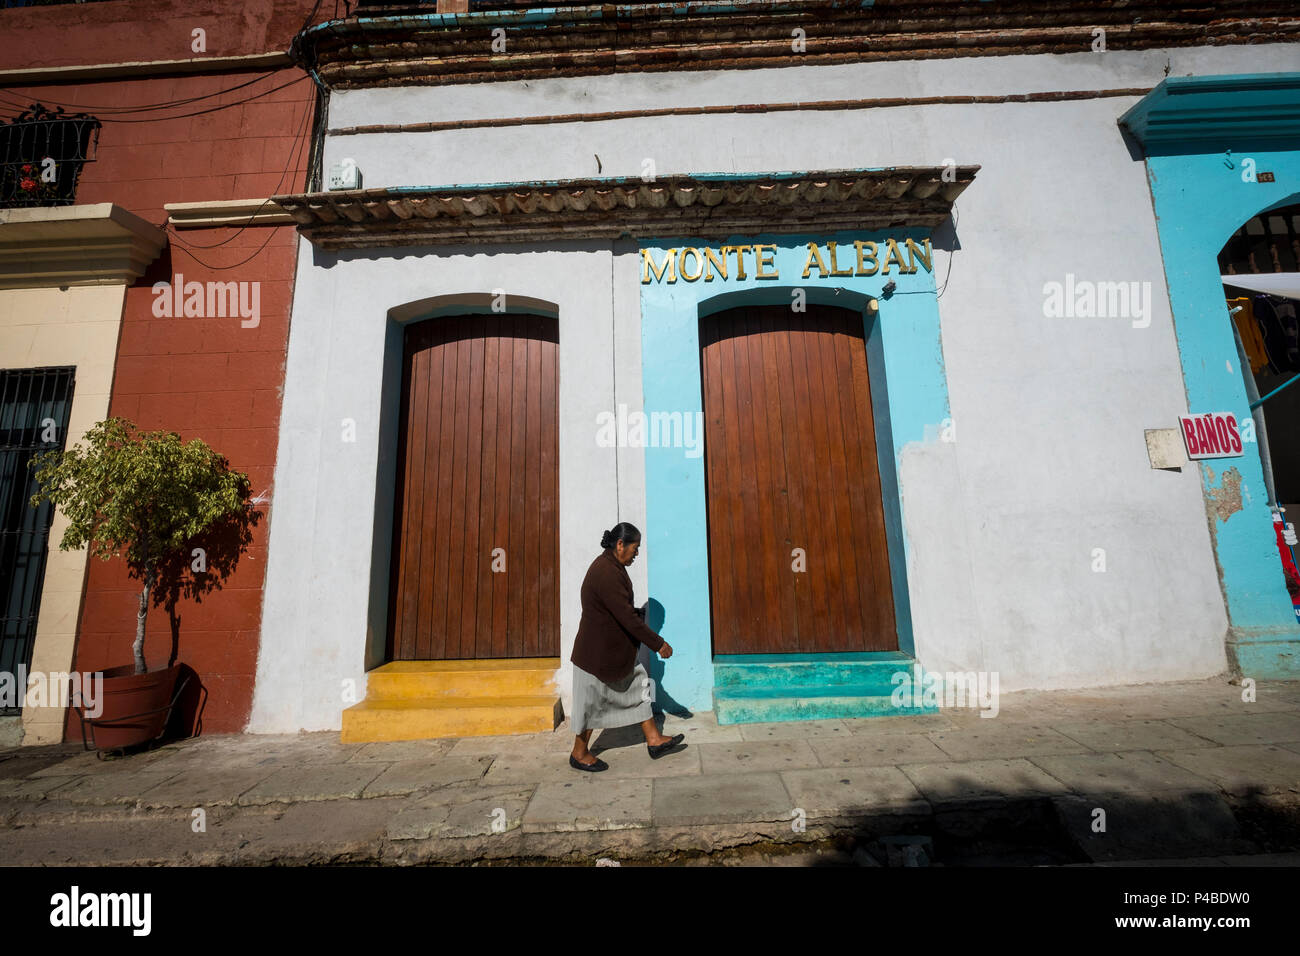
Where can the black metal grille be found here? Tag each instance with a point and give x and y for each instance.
(42, 152)
(1270, 242)
(34, 408)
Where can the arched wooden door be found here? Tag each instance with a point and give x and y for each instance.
(476, 546)
(791, 476)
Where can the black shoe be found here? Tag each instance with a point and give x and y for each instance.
(663, 748)
(576, 764)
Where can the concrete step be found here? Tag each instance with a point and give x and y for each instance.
(872, 669)
(415, 680)
(751, 705)
(422, 719)
(419, 700)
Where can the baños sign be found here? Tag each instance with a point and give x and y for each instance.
(1211, 435)
(758, 261)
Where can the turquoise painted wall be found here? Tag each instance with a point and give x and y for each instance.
(909, 397)
(1200, 200)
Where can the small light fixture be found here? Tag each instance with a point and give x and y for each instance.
(889, 288)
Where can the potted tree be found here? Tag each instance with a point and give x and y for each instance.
(150, 499)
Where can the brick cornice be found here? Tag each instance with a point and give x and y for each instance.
(716, 205)
(434, 49)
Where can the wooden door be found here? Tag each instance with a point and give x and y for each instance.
(790, 463)
(476, 544)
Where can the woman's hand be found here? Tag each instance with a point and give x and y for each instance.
(666, 651)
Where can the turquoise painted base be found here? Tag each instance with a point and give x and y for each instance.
(1265, 659)
(761, 688)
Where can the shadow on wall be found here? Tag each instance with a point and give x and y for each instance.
(655, 666)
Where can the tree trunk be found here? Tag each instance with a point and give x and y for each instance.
(138, 646)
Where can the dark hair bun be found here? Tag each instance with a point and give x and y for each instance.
(620, 532)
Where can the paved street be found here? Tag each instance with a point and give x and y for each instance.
(1183, 771)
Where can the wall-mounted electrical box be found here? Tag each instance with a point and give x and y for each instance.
(344, 175)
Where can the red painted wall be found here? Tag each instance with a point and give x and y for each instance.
(209, 378)
(124, 31)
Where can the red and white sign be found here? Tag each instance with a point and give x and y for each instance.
(1211, 435)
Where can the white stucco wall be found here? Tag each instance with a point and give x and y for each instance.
(314, 631)
(1049, 462)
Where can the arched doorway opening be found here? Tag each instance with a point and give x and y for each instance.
(1260, 268)
(475, 558)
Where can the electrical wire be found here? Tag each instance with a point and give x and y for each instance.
(181, 246)
(185, 246)
(947, 275)
(203, 112)
(163, 105)
(150, 106)
(12, 98)
(169, 104)
(295, 156)
(952, 254)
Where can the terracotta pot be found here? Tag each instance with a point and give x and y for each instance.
(136, 706)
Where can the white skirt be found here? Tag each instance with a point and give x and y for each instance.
(597, 704)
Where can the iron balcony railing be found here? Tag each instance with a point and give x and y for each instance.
(42, 152)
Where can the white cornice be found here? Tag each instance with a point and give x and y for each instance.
(230, 212)
(98, 244)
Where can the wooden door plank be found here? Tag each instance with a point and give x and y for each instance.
(437, 524)
(455, 540)
(505, 441)
(820, 540)
(766, 467)
(793, 439)
(736, 487)
(473, 567)
(518, 503)
(717, 504)
(836, 472)
(532, 494)
(548, 571)
(857, 432)
(485, 636)
(883, 598)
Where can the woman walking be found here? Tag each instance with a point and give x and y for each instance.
(610, 689)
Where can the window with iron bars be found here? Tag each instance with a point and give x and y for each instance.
(35, 404)
(42, 152)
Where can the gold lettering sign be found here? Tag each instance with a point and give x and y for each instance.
(825, 260)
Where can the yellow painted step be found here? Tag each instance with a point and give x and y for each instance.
(421, 719)
(418, 680)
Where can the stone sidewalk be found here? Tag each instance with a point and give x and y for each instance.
(1152, 772)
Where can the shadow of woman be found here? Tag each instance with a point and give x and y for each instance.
(662, 702)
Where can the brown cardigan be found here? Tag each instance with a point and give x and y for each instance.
(610, 629)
